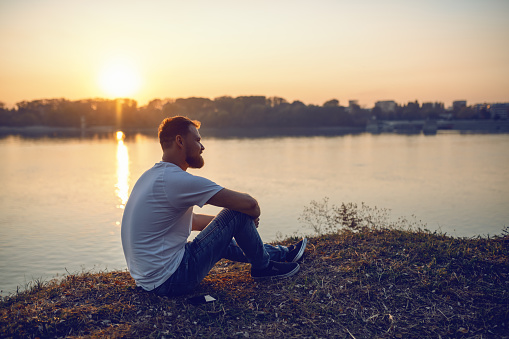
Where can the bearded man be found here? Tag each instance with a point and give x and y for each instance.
(158, 219)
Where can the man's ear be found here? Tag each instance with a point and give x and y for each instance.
(179, 140)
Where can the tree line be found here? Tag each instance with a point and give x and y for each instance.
(221, 112)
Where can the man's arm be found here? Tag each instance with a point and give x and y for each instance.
(240, 202)
(200, 221)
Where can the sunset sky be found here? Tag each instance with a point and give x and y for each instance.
(312, 51)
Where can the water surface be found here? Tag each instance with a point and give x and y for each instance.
(62, 200)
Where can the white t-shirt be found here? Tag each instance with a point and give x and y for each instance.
(157, 221)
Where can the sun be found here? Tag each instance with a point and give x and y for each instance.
(119, 78)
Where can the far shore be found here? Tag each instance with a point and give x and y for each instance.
(460, 126)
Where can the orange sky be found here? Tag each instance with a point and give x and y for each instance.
(311, 51)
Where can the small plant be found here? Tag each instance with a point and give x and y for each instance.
(505, 231)
(324, 218)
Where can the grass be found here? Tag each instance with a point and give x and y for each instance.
(355, 282)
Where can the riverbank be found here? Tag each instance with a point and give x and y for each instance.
(110, 131)
(376, 282)
(402, 127)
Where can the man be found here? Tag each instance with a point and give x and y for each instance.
(158, 219)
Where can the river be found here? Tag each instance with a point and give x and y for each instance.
(62, 199)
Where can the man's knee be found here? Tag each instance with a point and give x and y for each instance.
(232, 213)
(239, 217)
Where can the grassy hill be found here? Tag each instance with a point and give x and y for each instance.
(353, 284)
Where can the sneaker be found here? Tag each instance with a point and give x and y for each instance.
(276, 270)
(296, 251)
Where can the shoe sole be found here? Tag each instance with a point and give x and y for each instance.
(281, 276)
(301, 250)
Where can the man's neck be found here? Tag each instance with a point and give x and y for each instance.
(174, 160)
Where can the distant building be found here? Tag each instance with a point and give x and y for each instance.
(482, 111)
(499, 110)
(433, 106)
(427, 105)
(459, 104)
(353, 106)
(388, 106)
(478, 107)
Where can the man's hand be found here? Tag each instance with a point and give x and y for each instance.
(256, 222)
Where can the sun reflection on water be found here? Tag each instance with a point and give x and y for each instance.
(122, 186)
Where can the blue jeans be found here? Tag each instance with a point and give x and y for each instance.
(231, 235)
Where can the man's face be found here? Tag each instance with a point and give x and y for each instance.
(194, 148)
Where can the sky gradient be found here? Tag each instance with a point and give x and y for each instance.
(311, 51)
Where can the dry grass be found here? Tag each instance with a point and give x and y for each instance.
(368, 284)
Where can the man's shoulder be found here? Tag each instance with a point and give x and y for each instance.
(167, 168)
(174, 173)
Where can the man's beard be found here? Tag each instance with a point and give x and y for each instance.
(195, 162)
